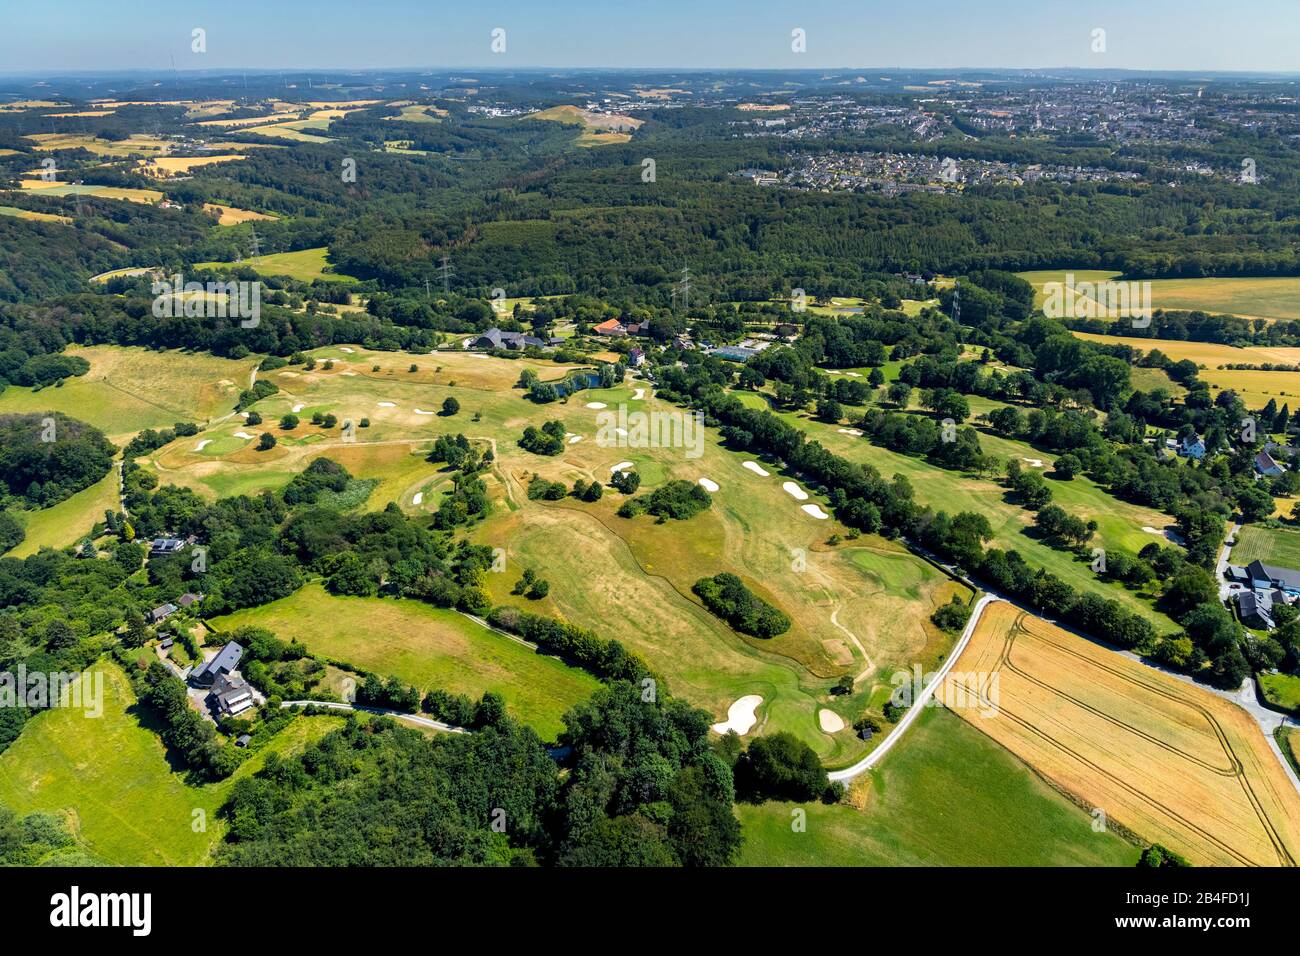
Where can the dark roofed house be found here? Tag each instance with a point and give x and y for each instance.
(227, 660)
(166, 643)
(1265, 465)
(185, 600)
(161, 547)
(160, 614)
(243, 740)
(1265, 577)
(231, 695)
(1256, 608)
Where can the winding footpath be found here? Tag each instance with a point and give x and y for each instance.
(871, 759)
(398, 714)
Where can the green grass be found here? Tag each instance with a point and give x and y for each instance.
(1275, 546)
(110, 778)
(948, 796)
(69, 521)
(304, 265)
(1281, 690)
(1288, 740)
(424, 646)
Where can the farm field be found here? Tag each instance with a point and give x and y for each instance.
(305, 265)
(1276, 546)
(69, 521)
(1264, 298)
(109, 776)
(231, 216)
(137, 144)
(34, 216)
(424, 646)
(1165, 759)
(1255, 387)
(950, 797)
(99, 192)
(174, 165)
(129, 389)
(598, 129)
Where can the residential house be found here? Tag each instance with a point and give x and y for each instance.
(230, 695)
(1267, 576)
(188, 598)
(1192, 447)
(636, 357)
(161, 547)
(1266, 466)
(226, 660)
(160, 614)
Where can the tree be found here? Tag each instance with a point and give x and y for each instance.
(780, 766)
(289, 422)
(266, 442)
(450, 406)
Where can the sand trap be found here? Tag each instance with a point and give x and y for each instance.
(574, 439)
(597, 405)
(1033, 462)
(622, 465)
(243, 414)
(708, 484)
(1150, 530)
(349, 373)
(242, 435)
(344, 348)
(203, 444)
(421, 411)
(794, 491)
(387, 404)
(741, 715)
(830, 721)
(756, 468)
(299, 407)
(638, 395)
(816, 512)
(852, 374)
(419, 497)
(850, 431)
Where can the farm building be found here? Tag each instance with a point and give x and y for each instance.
(231, 695)
(226, 661)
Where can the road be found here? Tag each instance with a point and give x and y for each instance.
(922, 700)
(398, 714)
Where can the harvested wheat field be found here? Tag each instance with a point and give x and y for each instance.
(1165, 759)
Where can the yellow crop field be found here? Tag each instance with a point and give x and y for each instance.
(1163, 758)
(1250, 297)
(231, 216)
(172, 165)
(1255, 387)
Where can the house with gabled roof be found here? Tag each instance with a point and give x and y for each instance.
(225, 661)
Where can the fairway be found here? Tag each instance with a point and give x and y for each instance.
(129, 389)
(950, 797)
(1276, 546)
(1161, 757)
(1263, 298)
(305, 265)
(109, 776)
(425, 646)
(70, 520)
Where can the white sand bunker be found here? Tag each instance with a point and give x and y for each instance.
(203, 444)
(349, 373)
(794, 491)
(1033, 462)
(1150, 530)
(242, 435)
(708, 484)
(852, 374)
(621, 466)
(596, 405)
(830, 721)
(421, 411)
(638, 395)
(741, 716)
(419, 497)
(344, 348)
(387, 404)
(756, 468)
(574, 439)
(815, 511)
(299, 407)
(850, 431)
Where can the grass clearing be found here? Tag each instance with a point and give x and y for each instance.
(1167, 760)
(17, 213)
(424, 646)
(305, 265)
(109, 777)
(1276, 546)
(69, 521)
(231, 216)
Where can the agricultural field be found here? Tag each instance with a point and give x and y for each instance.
(130, 389)
(305, 265)
(1276, 546)
(33, 216)
(231, 216)
(951, 797)
(147, 196)
(1161, 757)
(110, 778)
(163, 166)
(70, 520)
(1251, 298)
(424, 646)
(136, 145)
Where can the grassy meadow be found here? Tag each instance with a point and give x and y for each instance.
(1276, 546)
(1263, 298)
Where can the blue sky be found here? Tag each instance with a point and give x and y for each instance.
(61, 35)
